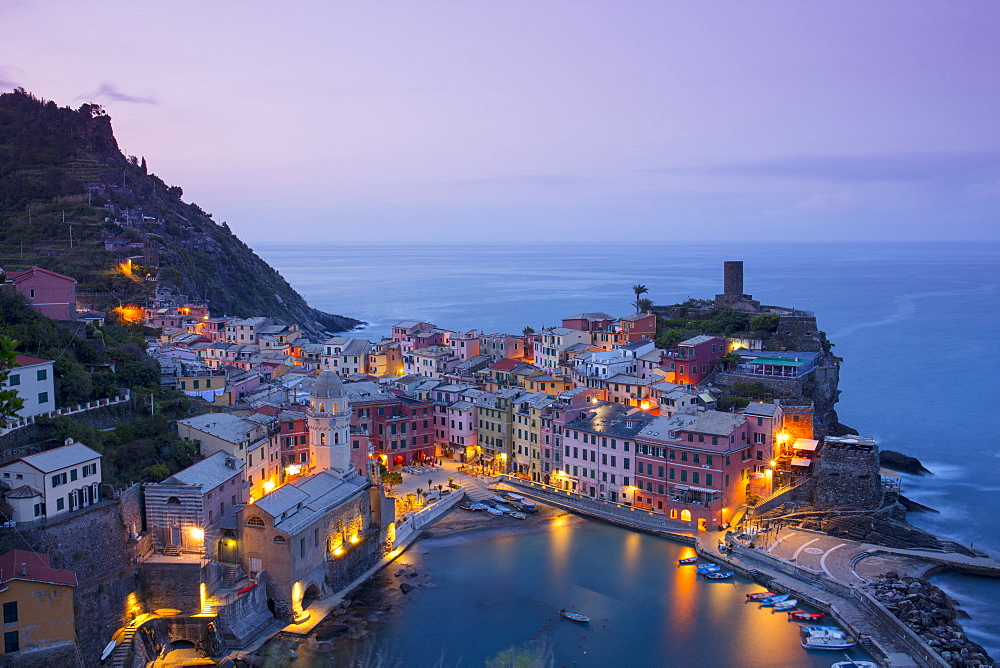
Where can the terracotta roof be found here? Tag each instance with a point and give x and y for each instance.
(23, 492)
(22, 565)
(17, 276)
(25, 360)
(506, 364)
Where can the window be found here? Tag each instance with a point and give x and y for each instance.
(760, 455)
(42, 374)
(43, 397)
(60, 503)
(302, 548)
(684, 475)
(708, 479)
(72, 474)
(759, 438)
(10, 643)
(13, 379)
(279, 539)
(10, 612)
(254, 521)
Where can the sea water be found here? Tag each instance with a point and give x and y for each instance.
(916, 325)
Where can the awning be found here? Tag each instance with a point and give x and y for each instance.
(805, 444)
(801, 461)
(706, 397)
(703, 489)
(888, 474)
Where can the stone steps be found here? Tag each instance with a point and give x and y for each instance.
(119, 656)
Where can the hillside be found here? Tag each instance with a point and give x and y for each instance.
(65, 187)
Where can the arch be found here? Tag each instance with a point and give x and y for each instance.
(311, 594)
(279, 539)
(174, 500)
(336, 438)
(686, 515)
(322, 408)
(322, 438)
(254, 521)
(336, 407)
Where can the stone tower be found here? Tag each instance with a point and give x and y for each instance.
(329, 418)
(733, 278)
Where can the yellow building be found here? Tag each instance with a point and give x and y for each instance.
(37, 602)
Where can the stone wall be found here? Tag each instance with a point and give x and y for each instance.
(174, 584)
(63, 655)
(796, 332)
(242, 617)
(848, 478)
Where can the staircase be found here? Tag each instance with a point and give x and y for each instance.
(474, 490)
(228, 577)
(172, 551)
(208, 607)
(119, 656)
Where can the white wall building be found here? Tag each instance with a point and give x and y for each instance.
(52, 483)
(32, 378)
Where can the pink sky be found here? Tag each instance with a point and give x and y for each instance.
(543, 121)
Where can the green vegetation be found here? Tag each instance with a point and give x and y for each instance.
(752, 390)
(639, 291)
(10, 403)
(826, 343)
(144, 449)
(729, 402)
(765, 322)
(721, 321)
(64, 183)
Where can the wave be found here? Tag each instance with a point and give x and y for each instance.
(905, 307)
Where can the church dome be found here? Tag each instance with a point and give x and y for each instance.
(327, 386)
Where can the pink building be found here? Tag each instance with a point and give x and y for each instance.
(599, 455)
(694, 359)
(51, 294)
(695, 468)
(588, 322)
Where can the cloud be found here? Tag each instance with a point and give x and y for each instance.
(909, 167)
(108, 93)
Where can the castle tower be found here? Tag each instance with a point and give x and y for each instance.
(329, 418)
(732, 278)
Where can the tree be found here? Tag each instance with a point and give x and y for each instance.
(392, 478)
(765, 322)
(639, 291)
(10, 403)
(644, 305)
(528, 330)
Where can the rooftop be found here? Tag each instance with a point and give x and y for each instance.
(33, 567)
(62, 457)
(222, 425)
(209, 472)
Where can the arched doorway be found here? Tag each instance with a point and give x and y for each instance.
(702, 524)
(311, 594)
(686, 515)
(398, 460)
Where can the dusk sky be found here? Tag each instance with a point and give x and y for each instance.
(474, 120)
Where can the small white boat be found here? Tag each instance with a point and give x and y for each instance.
(821, 630)
(499, 499)
(852, 663)
(526, 502)
(511, 496)
(109, 649)
(502, 508)
(718, 575)
(787, 604)
(518, 516)
(827, 642)
(708, 568)
(494, 511)
(774, 599)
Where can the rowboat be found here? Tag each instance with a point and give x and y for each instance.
(760, 595)
(518, 516)
(494, 511)
(466, 506)
(803, 616)
(499, 499)
(688, 560)
(524, 508)
(854, 663)
(511, 496)
(718, 575)
(787, 604)
(575, 616)
(108, 650)
(708, 568)
(773, 599)
(827, 642)
(502, 508)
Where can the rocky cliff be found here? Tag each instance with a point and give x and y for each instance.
(65, 187)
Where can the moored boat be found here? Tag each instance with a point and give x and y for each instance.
(575, 616)
(466, 506)
(502, 508)
(499, 499)
(511, 496)
(494, 511)
(719, 575)
(827, 642)
(708, 568)
(854, 663)
(524, 508)
(688, 560)
(819, 629)
(760, 595)
(803, 616)
(773, 599)
(518, 516)
(787, 604)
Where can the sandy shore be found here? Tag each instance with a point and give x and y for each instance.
(462, 521)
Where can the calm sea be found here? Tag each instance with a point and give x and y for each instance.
(916, 325)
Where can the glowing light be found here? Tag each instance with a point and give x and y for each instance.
(268, 486)
(129, 313)
(773, 463)
(293, 469)
(355, 539)
(783, 437)
(338, 551)
(644, 405)
(197, 533)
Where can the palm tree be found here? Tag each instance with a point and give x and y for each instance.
(643, 305)
(639, 291)
(528, 330)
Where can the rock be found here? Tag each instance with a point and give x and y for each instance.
(897, 461)
(912, 506)
(406, 588)
(226, 663)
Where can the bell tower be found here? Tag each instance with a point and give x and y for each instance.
(329, 421)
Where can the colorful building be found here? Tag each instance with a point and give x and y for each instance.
(37, 604)
(51, 294)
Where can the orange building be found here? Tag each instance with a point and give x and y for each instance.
(37, 602)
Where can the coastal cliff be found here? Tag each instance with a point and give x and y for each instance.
(66, 187)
